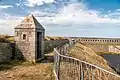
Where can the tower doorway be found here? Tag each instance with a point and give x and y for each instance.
(39, 44)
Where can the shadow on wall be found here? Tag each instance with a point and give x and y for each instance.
(17, 54)
(51, 44)
(9, 51)
(10, 55)
(5, 52)
(49, 47)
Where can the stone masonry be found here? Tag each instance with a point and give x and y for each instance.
(102, 44)
(29, 37)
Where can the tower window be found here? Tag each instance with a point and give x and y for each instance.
(17, 34)
(24, 36)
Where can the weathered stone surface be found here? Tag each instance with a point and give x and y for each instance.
(29, 37)
(102, 44)
(100, 40)
(5, 52)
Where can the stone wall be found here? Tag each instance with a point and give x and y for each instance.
(114, 48)
(105, 48)
(100, 48)
(100, 40)
(26, 46)
(102, 44)
(51, 44)
(5, 52)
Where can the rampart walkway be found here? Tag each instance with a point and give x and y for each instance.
(69, 68)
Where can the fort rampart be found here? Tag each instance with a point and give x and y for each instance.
(102, 44)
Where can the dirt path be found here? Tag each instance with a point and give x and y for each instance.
(41, 71)
(27, 71)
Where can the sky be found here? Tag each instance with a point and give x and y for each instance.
(80, 18)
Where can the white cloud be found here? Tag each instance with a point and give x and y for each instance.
(113, 14)
(32, 3)
(18, 4)
(8, 22)
(79, 14)
(74, 14)
(7, 26)
(80, 21)
(5, 6)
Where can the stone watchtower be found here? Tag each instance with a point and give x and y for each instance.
(29, 37)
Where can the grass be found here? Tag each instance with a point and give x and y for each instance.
(39, 71)
(20, 70)
(85, 53)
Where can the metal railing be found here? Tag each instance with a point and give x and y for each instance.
(69, 68)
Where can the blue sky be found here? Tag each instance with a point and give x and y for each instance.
(88, 18)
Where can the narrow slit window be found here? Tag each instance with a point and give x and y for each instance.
(17, 34)
(24, 36)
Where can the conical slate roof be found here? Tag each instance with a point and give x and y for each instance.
(30, 22)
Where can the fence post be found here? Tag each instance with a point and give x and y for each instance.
(72, 62)
(92, 73)
(55, 64)
(58, 74)
(82, 71)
